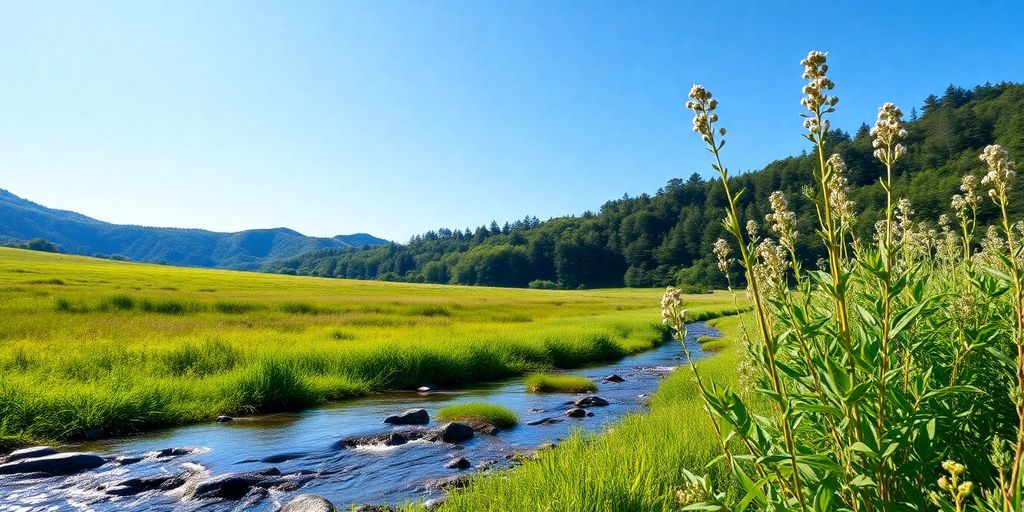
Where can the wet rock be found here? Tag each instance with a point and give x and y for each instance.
(459, 463)
(536, 410)
(589, 414)
(389, 439)
(484, 427)
(434, 504)
(455, 432)
(233, 486)
(56, 464)
(133, 486)
(173, 452)
(282, 457)
(313, 503)
(224, 419)
(409, 417)
(127, 460)
(448, 482)
(372, 508)
(614, 378)
(28, 453)
(590, 401)
(576, 412)
(544, 421)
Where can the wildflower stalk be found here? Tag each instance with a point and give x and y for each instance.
(703, 105)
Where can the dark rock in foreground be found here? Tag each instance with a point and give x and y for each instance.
(233, 486)
(590, 401)
(173, 452)
(314, 503)
(614, 378)
(133, 486)
(576, 412)
(56, 464)
(409, 417)
(459, 463)
(455, 432)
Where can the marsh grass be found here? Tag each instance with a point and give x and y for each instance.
(558, 383)
(501, 417)
(115, 350)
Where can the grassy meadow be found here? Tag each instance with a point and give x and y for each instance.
(93, 348)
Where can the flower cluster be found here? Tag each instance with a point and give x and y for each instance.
(956, 489)
(782, 220)
(887, 134)
(672, 313)
(1000, 171)
(704, 116)
(838, 188)
(722, 252)
(968, 201)
(770, 272)
(816, 97)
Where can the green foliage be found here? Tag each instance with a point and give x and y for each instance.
(41, 244)
(496, 415)
(559, 383)
(543, 284)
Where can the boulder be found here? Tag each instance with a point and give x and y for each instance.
(614, 378)
(448, 482)
(56, 464)
(459, 463)
(455, 432)
(133, 486)
(233, 486)
(29, 453)
(409, 417)
(126, 460)
(389, 439)
(311, 503)
(173, 452)
(576, 412)
(590, 401)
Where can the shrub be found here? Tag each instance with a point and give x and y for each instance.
(559, 383)
(496, 415)
(543, 284)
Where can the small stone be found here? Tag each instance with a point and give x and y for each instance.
(614, 378)
(224, 419)
(459, 463)
(576, 412)
(433, 504)
(409, 417)
(590, 401)
(126, 460)
(315, 503)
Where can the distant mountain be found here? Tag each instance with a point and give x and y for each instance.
(21, 220)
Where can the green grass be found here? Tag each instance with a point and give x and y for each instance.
(557, 383)
(496, 415)
(100, 347)
(636, 466)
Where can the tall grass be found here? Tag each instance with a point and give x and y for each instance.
(121, 347)
(558, 383)
(496, 415)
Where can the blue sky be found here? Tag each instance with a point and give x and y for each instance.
(394, 117)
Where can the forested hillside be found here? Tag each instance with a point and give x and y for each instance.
(666, 238)
(22, 220)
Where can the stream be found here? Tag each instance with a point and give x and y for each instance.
(301, 452)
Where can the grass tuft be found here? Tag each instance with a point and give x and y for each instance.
(496, 415)
(558, 383)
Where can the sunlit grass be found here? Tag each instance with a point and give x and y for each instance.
(496, 415)
(635, 466)
(93, 347)
(557, 383)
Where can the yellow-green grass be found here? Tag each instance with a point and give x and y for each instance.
(636, 466)
(558, 383)
(92, 347)
(496, 415)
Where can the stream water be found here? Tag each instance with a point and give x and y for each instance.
(304, 447)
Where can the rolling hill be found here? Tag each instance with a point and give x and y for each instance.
(21, 220)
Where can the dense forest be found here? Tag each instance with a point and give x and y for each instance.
(666, 238)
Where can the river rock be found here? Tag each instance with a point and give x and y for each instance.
(313, 503)
(133, 486)
(29, 453)
(425, 389)
(576, 412)
(448, 482)
(372, 508)
(388, 439)
(434, 504)
(173, 452)
(281, 457)
(233, 486)
(224, 419)
(459, 463)
(614, 378)
(455, 432)
(127, 460)
(544, 421)
(56, 464)
(591, 401)
(409, 417)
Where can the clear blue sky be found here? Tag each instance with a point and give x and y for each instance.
(394, 117)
